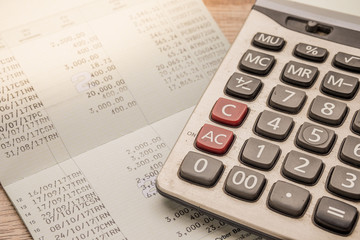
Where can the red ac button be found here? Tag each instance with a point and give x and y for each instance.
(229, 112)
(214, 139)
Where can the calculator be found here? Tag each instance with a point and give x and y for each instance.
(273, 145)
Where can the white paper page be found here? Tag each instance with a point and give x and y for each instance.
(92, 99)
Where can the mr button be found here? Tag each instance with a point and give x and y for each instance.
(214, 139)
(256, 62)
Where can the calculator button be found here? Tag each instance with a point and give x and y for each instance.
(310, 52)
(315, 138)
(356, 122)
(214, 139)
(327, 110)
(244, 183)
(299, 74)
(340, 85)
(345, 182)
(335, 215)
(268, 41)
(256, 62)
(274, 125)
(288, 199)
(242, 86)
(201, 169)
(229, 112)
(259, 153)
(301, 167)
(287, 99)
(347, 62)
(350, 151)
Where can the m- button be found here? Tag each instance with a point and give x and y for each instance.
(229, 112)
(256, 62)
(214, 139)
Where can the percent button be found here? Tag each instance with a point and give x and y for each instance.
(310, 52)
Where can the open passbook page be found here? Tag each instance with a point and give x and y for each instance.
(93, 95)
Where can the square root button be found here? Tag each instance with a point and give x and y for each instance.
(214, 139)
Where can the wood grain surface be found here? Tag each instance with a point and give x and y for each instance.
(230, 16)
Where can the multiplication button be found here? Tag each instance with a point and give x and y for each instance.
(256, 62)
(288, 199)
(335, 215)
(315, 138)
(201, 169)
(245, 183)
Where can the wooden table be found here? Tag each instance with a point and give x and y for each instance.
(229, 14)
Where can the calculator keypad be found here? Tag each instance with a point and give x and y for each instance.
(328, 111)
(339, 85)
(288, 199)
(201, 169)
(335, 215)
(245, 183)
(256, 62)
(310, 52)
(243, 86)
(302, 167)
(299, 74)
(287, 99)
(274, 125)
(259, 153)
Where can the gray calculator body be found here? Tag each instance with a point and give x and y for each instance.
(336, 178)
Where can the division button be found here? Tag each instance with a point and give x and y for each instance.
(259, 153)
(310, 52)
(214, 139)
(328, 111)
(243, 86)
(345, 182)
(350, 151)
(335, 215)
(356, 123)
(302, 168)
(347, 62)
(268, 41)
(274, 125)
(256, 62)
(201, 169)
(315, 138)
(287, 99)
(229, 112)
(288, 199)
(244, 183)
(299, 74)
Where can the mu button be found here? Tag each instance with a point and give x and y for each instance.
(214, 139)
(229, 112)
